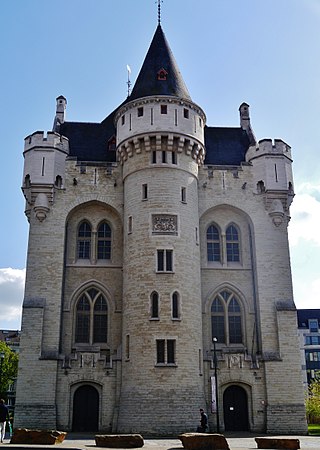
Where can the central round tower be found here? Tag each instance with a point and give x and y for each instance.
(160, 143)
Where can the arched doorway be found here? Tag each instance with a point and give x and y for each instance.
(85, 409)
(235, 409)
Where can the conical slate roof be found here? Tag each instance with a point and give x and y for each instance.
(159, 74)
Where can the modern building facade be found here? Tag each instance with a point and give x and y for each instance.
(309, 333)
(158, 257)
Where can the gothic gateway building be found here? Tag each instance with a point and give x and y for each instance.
(155, 239)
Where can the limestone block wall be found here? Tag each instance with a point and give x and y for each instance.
(165, 406)
(283, 399)
(35, 404)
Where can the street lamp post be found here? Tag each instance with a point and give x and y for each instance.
(215, 362)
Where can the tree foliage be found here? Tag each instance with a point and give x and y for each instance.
(313, 401)
(8, 368)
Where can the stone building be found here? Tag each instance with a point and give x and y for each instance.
(309, 334)
(158, 273)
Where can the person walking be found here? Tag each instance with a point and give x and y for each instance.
(203, 422)
(4, 415)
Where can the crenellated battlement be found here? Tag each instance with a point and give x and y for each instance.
(47, 140)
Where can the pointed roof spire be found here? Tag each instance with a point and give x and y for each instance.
(159, 74)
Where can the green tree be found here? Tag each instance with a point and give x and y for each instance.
(8, 368)
(313, 401)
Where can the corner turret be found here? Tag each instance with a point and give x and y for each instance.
(272, 168)
(44, 170)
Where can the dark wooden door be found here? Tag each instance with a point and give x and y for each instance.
(235, 409)
(85, 409)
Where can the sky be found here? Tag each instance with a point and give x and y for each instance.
(262, 52)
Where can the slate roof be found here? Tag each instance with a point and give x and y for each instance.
(305, 314)
(159, 57)
(89, 141)
(225, 146)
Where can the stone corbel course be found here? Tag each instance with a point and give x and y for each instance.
(43, 437)
(119, 440)
(203, 441)
(278, 443)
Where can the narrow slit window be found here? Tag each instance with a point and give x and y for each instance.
(183, 195)
(144, 192)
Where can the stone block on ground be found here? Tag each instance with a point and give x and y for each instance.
(203, 441)
(278, 443)
(43, 437)
(119, 440)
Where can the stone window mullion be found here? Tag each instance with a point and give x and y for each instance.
(94, 247)
(223, 249)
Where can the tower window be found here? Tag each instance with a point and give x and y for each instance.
(163, 109)
(164, 260)
(174, 158)
(144, 192)
(184, 195)
(130, 222)
(166, 351)
(175, 306)
(164, 156)
(154, 305)
(123, 119)
(186, 113)
(140, 111)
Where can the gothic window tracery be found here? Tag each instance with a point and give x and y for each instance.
(91, 324)
(223, 248)
(226, 318)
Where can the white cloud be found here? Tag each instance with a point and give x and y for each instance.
(11, 296)
(305, 215)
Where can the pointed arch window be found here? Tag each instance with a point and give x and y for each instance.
(91, 323)
(232, 244)
(154, 306)
(104, 241)
(84, 241)
(213, 244)
(175, 305)
(226, 318)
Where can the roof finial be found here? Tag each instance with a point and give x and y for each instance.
(159, 11)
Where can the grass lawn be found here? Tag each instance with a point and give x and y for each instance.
(314, 429)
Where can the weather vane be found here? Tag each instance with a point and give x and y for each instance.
(128, 82)
(159, 10)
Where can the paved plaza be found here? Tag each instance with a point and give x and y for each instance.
(236, 442)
